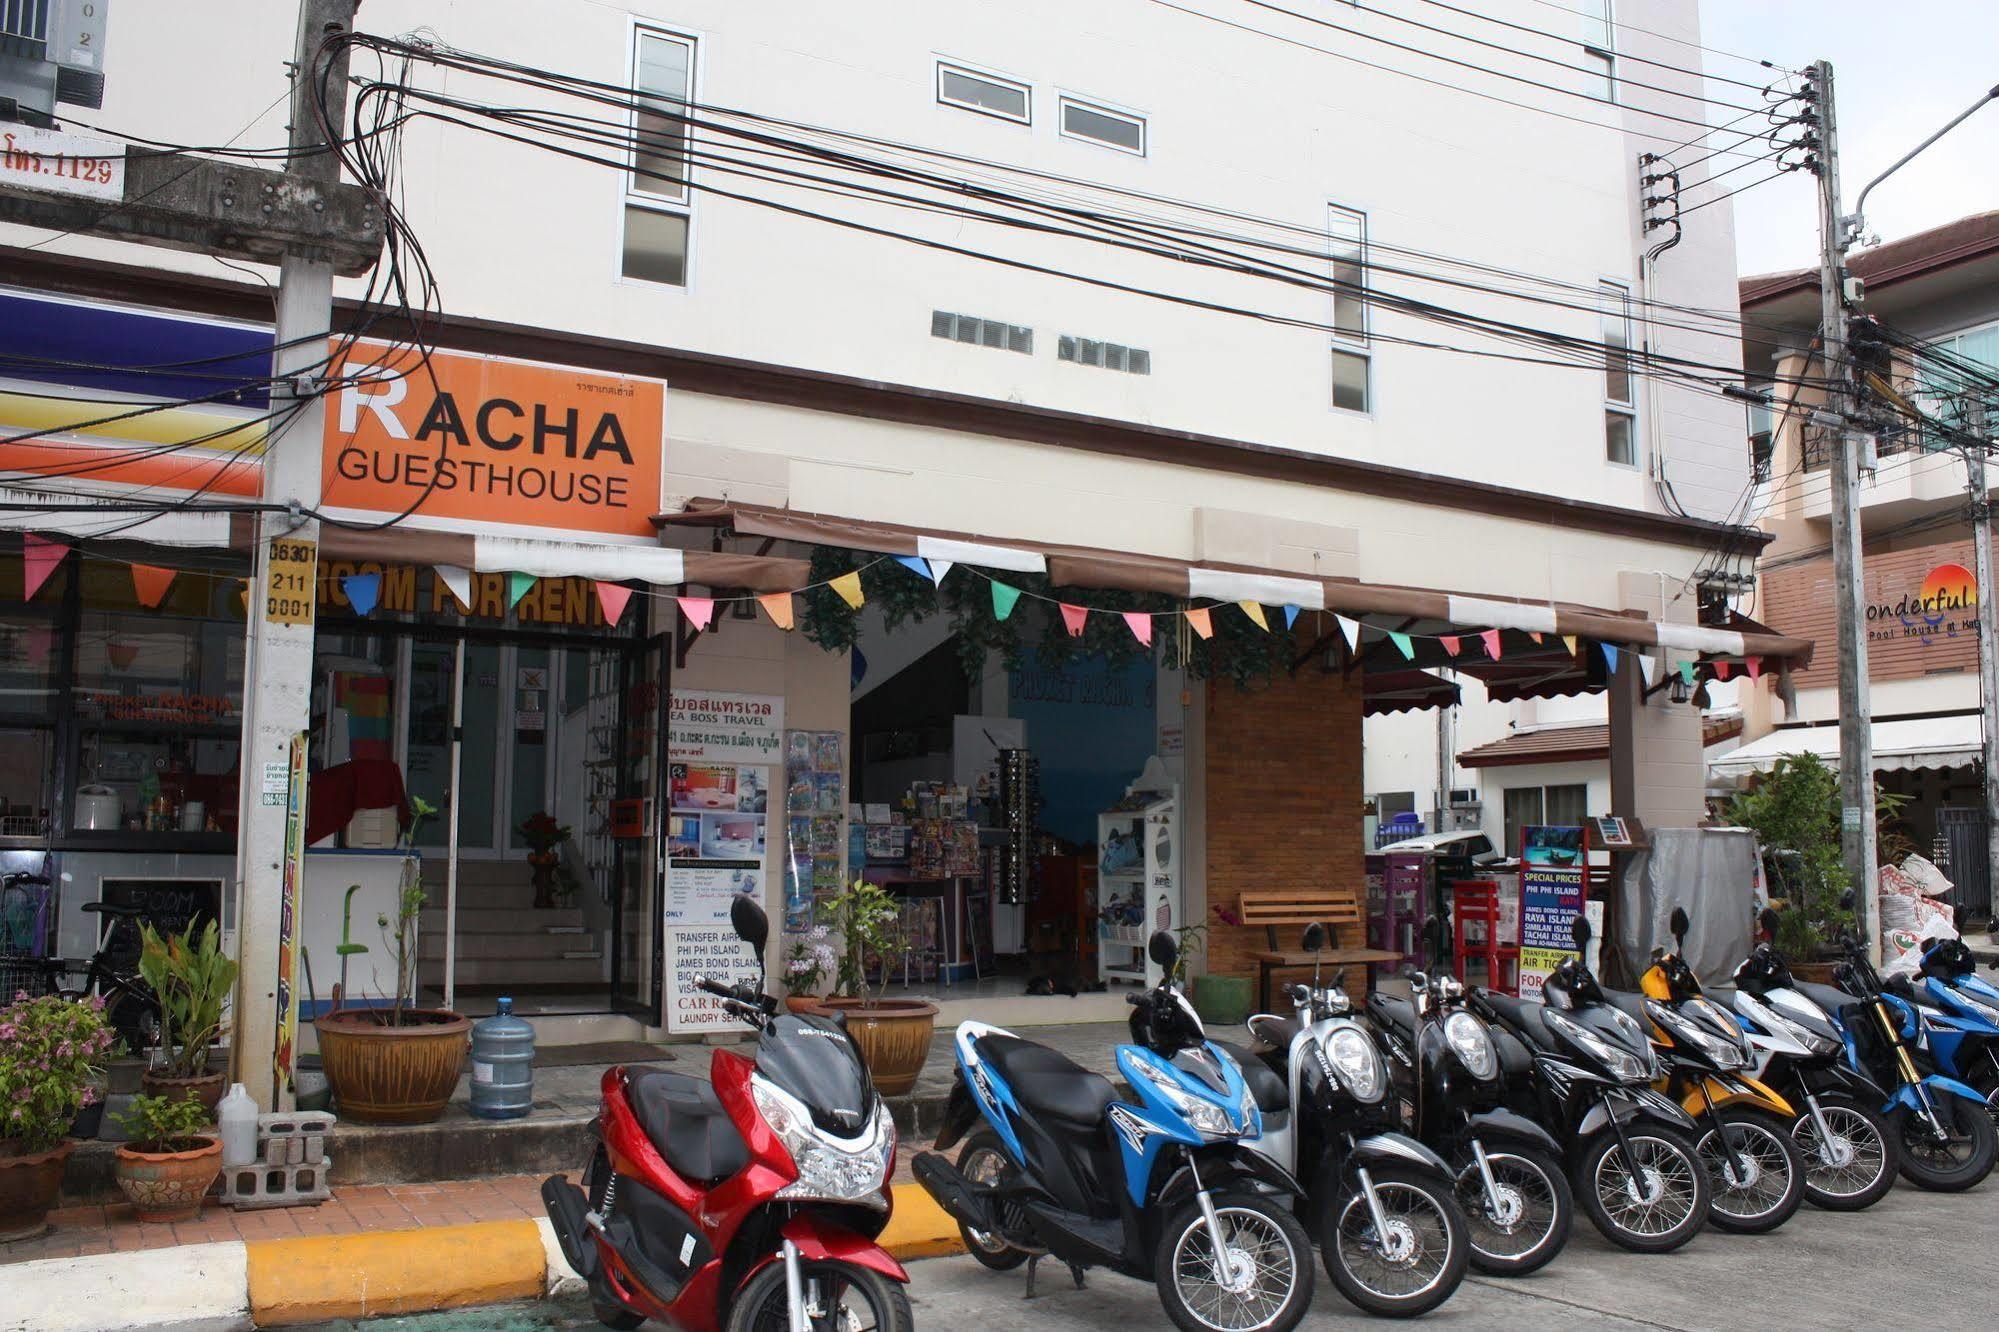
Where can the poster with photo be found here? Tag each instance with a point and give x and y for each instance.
(815, 802)
(732, 837)
(698, 894)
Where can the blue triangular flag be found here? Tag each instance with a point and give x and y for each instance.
(363, 591)
(1609, 655)
(1290, 616)
(914, 563)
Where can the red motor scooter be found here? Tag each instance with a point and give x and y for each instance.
(748, 1203)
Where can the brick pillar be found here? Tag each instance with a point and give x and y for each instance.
(1283, 796)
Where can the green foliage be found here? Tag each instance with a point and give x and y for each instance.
(193, 979)
(162, 1124)
(1795, 808)
(868, 919)
(1193, 938)
(399, 938)
(51, 1052)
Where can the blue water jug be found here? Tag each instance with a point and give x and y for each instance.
(502, 1065)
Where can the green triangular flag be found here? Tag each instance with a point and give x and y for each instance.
(1687, 671)
(1402, 641)
(1003, 599)
(517, 587)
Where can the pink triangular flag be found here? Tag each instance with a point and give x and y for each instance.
(1721, 670)
(1754, 665)
(1450, 642)
(613, 597)
(39, 559)
(1073, 618)
(1204, 623)
(1531, 634)
(698, 610)
(1140, 624)
(1491, 640)
(151, 583)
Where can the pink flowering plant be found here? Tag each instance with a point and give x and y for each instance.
(51, 1052)
(810, 961)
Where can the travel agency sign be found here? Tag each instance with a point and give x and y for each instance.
(462, 442)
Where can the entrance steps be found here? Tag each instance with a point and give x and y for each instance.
(503, 939)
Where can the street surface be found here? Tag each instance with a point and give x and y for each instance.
(1915, 1260)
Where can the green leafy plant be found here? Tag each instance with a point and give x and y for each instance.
(399, 934)
(162, 1124)
(1794, 812)
(52, 1051)
(868, 919)
(192, 977)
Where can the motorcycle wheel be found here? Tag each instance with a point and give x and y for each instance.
(1946, 1167)
(1652, 1223)
(984, 1162)
(1541, 1205)
(612, 1314)
(1430, 1247)
(1867, 1177)
(854, 1299)
(1269, 1285)
(1773, 1187)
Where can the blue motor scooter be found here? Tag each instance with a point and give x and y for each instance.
(1960, 1017)
(1157, 1186)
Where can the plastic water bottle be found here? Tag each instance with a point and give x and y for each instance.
(236, 1116)
(502, 1065)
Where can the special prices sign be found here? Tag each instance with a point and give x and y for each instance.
(709, 728)
(474, 440)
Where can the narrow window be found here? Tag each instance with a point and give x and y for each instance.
(1101, 125)
(987, 94)
(657, 197)
(1352, 358)
(1620, 403)
(1599, 59)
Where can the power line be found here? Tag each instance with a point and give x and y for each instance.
(1620, 53)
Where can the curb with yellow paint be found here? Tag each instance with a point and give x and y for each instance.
(314, 1278)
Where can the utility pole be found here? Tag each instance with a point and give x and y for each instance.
(1856, 721)
(278, 639)
(1988, 620)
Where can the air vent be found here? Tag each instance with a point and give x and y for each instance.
(982, 332)
(1106, 355)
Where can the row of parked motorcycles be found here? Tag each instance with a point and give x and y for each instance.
(1409, 1142)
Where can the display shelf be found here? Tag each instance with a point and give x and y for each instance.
(1131, 936)
(1140, 840)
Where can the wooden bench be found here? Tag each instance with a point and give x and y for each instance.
(1335, 908)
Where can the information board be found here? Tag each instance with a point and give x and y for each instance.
(1552, 881)
(706, 950)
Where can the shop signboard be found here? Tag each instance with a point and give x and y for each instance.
(460, 442)
(1554, 870)
(707, 727)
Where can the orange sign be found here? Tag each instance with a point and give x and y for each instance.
(471, 439)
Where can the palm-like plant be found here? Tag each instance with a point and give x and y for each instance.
(192, 978)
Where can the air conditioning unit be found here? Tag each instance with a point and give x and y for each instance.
(1464, 797)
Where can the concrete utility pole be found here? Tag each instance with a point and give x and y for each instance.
(278, 671)
(1856, 718)
(1988, 621)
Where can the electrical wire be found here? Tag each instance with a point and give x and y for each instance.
(1620, 53)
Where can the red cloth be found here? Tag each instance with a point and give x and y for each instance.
(336, 794)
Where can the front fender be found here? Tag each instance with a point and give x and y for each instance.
(1646, 1103)
(1243, 1165)
(1727, 1089)
(1846, 1078)
(1506, 1125)
(819, 1241)
(1905, 1095)
(1398, 1149)
(961, 1111)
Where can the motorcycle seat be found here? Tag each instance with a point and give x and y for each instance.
(1523, 1017)
(1274, 1031)
(1829, 997)
(1269, 1090)
(685, 1120)
(1633, 1005)
(1048, 1080)
(1721, 996)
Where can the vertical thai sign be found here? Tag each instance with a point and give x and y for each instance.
(288, 908)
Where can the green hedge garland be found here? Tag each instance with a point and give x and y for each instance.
(1239, 651)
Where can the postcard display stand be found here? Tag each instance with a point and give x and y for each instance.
(1138, 876)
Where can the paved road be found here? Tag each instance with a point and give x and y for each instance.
(1914, 1260)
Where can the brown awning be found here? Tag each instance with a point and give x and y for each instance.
(1407, 691)
(1550, 744)
(1417, 611)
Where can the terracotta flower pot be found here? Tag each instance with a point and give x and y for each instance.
(893, 1036)
(29, 1183)
(168, 1186)
(206, 1089)
(393, 1075)
(801, 1003)
(1818, 973)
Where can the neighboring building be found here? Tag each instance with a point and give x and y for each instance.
(831, 389)
(1942, 287)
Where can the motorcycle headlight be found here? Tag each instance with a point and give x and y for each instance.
(1803, 1035)
(829, 1169)
(1356, 1063)
(1619, 1061)
(1721, 1053)
(1472, 1044)
(1202, 1115)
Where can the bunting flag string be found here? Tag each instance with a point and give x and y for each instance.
(458, 581)
(1140, 624)
(1202, 621)
(1647, 668)
(938, 568)
(1570, 641)
(1609, 656)
(848, 585)
(1254, 610)
(1290, 616)
(1350, 629)
(39, 559)
(151, 583)
(1687, 672)
(700, 611)
(1403, 645)
(1074, 618)
(1450, 642)
(517, 587)
(1721, 670)
(1753, 666)
(1491, 639)
(363, 591)
(777, 605)
(613, 597)
(1004, 599)
(913, 563)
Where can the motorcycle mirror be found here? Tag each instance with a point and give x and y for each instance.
(1768, 920)
(1846, 900)
(749, 922)
(1163, 949)
(1678, 926)
(1579, 931)
(1315, 937)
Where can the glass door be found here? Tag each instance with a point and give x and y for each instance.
(637, 718)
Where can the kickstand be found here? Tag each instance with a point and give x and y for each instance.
(1033, 1261)
(1076, 1274)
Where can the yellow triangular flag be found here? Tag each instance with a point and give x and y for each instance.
(848, 585)
(1254, 610)
(1570, 639)
(777, 605)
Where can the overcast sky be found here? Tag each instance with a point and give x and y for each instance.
(1901, 69)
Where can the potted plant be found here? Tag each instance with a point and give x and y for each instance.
(1220, 1000)
(169, 1162)
(893, 1034)
(1794, 812)
(807, 964)
(192, 979)
(51, 1052)
(396, 1063)
(544, 838)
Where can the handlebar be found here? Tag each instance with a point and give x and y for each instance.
(716, 988)
(1135, 1000)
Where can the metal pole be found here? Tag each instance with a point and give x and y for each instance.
(277, 684)
(1856, 733)
(1988, 623)
(451, 845)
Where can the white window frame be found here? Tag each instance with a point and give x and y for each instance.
(1605, 51)
(1614, 304)
(630, 195)
(1063, 101)
(1353, 344)
(972, 71)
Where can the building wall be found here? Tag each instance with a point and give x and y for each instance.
(1283, 799)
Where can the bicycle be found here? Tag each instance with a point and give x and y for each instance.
(130, 1006)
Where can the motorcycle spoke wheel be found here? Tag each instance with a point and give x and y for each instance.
(1755, 1185)
(1854, 1136)
(838, 1297)
(1415, 1254)
(1961, 1160)
(1651, 1195)
(1530, 1211)
(1249, 1285)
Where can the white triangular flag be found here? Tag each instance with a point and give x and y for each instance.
(938, 568)
(1351, 628)
(1648, 668)
(458, 580)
